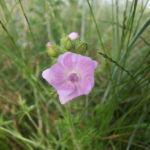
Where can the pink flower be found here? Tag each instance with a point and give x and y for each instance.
(71, 76)
(49, 44)
(73, 35)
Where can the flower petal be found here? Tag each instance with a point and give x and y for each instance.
(69, 60)
(65, 88)
(73, 35)
(85, 85)
(55, 75)
(82, 88)
(95, 63)
(87, 66)
(63, 99)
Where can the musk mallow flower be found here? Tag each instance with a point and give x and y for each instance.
(71, 76)
(73, 35)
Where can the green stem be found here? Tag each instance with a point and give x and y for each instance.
(116, 63)
(48, 26)
(72, 131)
(9, 35)
(27, 21)
(99, 35)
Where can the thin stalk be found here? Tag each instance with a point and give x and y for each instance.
(142, 117)
(70, 124)
(83, 22)
(116, 63)
(9, 35)
(124, 27)
(98, 32)
(40, 124)
(135, 37)
(139, 32)
(117, 29)
(48, 21)
(141, 14)
(133, 40)
(113, 33)
(26, 18)
(100, 39)
(21, 138)
(5, 10)
(143, 39)
(132, 19)
(86, 105)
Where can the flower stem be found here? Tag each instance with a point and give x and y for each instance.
(71, 128)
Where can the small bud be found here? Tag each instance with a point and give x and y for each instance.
(81, 47)
(76, 41)
(49, 44)
(66, 42)
(52, 50)
(73, 35)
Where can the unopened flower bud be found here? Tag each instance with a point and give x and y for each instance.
(81, 47)
(52, 50)
(49, 44)
(76, 41)
(66, 42)
(73, 35)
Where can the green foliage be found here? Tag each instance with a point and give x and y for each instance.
(115, 115)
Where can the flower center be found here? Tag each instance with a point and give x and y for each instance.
(73, 77)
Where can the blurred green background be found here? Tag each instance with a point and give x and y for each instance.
(115, 115)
